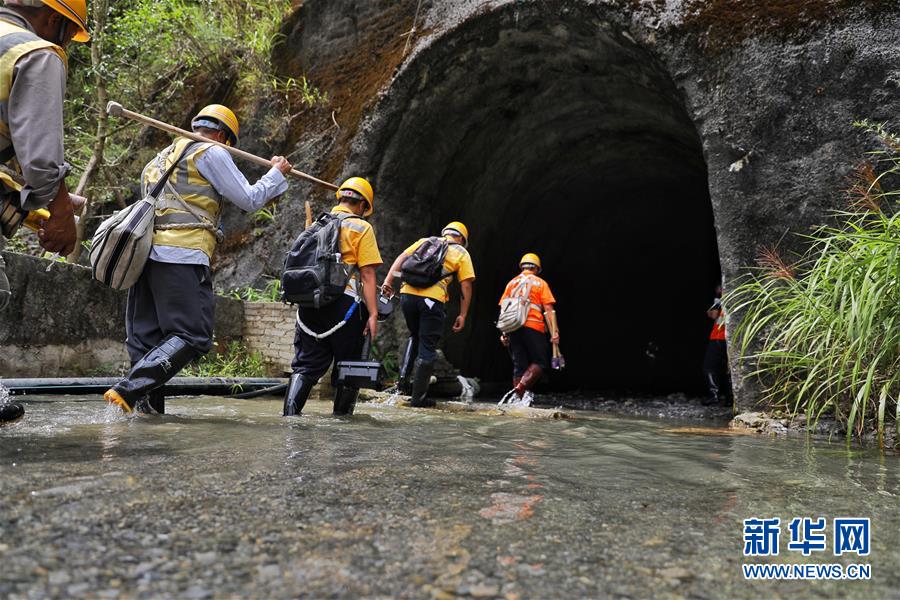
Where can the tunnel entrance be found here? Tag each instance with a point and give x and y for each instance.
(561, 136)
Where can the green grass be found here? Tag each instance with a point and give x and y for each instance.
(823, 333)
(300, 89)
(270, 293)
(235, 361)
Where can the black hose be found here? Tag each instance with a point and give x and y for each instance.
(275, 390)
(179, 386)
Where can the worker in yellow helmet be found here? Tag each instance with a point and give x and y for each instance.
(528, 343)
(426, 268)
(169, 317)
(332, 330)
(33, 37)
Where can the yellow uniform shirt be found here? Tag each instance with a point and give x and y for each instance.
(358, 244)
(457, 261)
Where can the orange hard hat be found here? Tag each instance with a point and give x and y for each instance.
(73, 10)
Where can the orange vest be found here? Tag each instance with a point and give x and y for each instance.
(718, 330)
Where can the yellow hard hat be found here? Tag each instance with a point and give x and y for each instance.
(73, 10)
(357, 186)
(222, 116)
(457, 227)
(531, 259)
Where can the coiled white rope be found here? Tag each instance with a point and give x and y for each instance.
(321, 336)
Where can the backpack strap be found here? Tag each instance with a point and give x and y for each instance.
(525, 280)
(164, 180)
(353, 269)
(195, 219)
(447, 243)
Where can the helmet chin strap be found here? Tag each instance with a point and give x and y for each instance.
(61, 34)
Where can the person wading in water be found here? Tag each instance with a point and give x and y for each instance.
(33, 38)
(715, 361)
(169, 316)
(334, 332)
(426, 268)
(528, 345)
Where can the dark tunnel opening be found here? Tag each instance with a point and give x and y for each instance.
(568, 140)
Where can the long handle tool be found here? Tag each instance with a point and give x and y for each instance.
(117, 110)
(559, 362)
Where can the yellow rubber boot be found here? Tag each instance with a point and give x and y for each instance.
(113, 397)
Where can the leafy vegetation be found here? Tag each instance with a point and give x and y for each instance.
(265, 215)
(235, 361)
(166, 59)
(823, 332)
(389, 359)
(302, 89)
(270, 293)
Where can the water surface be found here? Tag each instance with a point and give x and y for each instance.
(226, 498)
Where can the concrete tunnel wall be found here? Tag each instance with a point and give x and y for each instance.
(566, 138)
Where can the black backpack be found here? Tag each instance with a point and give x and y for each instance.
(426, 265)
(314, 274)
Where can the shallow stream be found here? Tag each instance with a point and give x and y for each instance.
(226, 498)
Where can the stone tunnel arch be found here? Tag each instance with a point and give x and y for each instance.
(556, 134)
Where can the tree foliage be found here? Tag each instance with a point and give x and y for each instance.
(165, 58)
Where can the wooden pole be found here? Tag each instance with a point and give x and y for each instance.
(117, 110)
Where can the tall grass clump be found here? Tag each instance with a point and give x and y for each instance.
(822, 333)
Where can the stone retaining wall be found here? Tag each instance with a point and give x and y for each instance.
(269, 329)
(63, 323)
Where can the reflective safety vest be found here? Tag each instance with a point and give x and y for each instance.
(15, 42)
(191, 189)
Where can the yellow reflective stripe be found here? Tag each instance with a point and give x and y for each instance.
(195, 191)
(10, 182)
(16, 42)
(194, 188)
(11, 57)
(194, 239)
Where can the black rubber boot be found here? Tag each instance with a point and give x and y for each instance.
(5, 293)
(154, 404)
(157, 367)
(158, 402)
(296, 395)
(12, 411)
(421, 379)
(345, 401)
(404, 384)
(712, 385)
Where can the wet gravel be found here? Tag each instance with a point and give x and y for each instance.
(673, 406)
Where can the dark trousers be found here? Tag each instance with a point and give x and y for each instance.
(715, 368)
(425, 324)
(528, 346)
(170, 299)
(312, 357)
